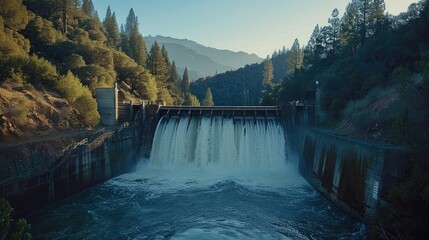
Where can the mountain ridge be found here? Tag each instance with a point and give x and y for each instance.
(202, 61)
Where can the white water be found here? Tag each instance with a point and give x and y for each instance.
(219, 141)
(206, 179)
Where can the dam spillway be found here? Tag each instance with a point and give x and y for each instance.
(209, 176)
(241, 142)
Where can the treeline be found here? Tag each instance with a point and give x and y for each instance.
(356, 53)
(43, 42)
(373, 71)
(240, 87)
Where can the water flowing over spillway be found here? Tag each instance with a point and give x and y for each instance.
(207, 178)
(244, 143)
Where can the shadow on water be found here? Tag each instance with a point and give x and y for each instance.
(179, 202)
(206, 179)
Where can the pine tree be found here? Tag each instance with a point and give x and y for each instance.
(124, 42)
(165, 55)
(295, 58)
(208, 100)
(156, 63)
(112, 30)
(191, 100)
(324, 44)
(349, 34)
(334, 33)
(137, 47)
(131, 23)
(376, 18)
(88, 8)
(310, 52)
(185, 82)
(173, 76)
(67, 9)
(362, 19)
(132, 42)
(268, 74)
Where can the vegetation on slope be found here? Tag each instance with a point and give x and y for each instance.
(61, 47)
(241, 87)
(373, 74)
(373, 71)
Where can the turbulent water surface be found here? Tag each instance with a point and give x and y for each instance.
(206, 179)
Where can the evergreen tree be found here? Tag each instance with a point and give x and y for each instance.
(124, 42)
(67, 8)
(137, 47)
(208, 100)
(362, 19)
(165, 96)
(133, 43)
(324, 43)
(131, 23)
(156, 63)
(191, 100)
(112, 30)
(165, 55)
(185, 82)
(349, 34)
(88, 8)
(376, 18)
(334, 33)
(310, 51)
(295, 58)
(173, 76)
(268, 73)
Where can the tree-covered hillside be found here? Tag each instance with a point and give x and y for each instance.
(62, 47)
(373, 71)
(239, 87)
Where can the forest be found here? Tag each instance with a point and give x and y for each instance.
(61, 49)
(372, 67)
(373, 72)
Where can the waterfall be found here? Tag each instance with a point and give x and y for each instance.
(202, 141)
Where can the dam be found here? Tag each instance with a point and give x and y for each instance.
(223, 172)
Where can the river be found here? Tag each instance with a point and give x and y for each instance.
(206, 179)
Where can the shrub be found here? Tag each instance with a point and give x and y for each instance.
(18, 111)
(87, 109)
(80, 98)
(70, 87)
(40, 70)
(22, 229)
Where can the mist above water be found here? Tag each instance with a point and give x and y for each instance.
(206, 179)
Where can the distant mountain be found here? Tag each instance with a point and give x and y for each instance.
(202, 61)
(200, 65)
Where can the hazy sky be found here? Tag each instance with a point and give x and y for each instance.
(253, 26)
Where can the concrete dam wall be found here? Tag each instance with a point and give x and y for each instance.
(354, 174)
(96, 160)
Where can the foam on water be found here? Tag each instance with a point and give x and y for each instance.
(206, 179)
(243, 143)
(200, 152)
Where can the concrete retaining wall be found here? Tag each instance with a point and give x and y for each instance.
(108, 155)
(355, 174)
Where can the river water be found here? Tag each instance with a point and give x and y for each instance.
(205, 180)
